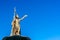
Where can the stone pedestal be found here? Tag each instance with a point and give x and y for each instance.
(16, 38)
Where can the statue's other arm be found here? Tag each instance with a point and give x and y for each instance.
(23, 17)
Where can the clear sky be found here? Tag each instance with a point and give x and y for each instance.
(42, 23)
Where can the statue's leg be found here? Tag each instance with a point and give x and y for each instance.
(17, 31)
(14, 31)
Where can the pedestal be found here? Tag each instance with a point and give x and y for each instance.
(16, 38)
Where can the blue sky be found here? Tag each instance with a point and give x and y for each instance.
(42, 23)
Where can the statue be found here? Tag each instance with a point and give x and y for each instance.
(15, 24)
(15, 31)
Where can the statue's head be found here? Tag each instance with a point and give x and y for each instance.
(17, 17)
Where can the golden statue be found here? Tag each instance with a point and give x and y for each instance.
(16, 24)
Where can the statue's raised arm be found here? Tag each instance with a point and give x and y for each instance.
(14, 12)
(14, 16)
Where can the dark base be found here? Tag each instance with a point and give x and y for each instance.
(16, 38)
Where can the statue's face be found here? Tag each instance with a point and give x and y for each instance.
(17, 17)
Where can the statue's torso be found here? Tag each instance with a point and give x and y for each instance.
(16, 26)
